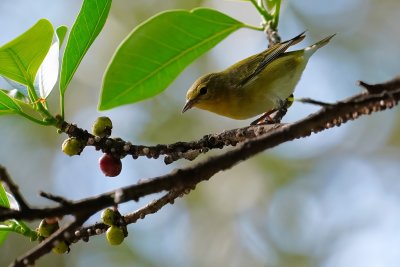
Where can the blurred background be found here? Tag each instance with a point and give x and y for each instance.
(330, 200)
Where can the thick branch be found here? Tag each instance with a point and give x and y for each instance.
(188, 150)
(326, 117)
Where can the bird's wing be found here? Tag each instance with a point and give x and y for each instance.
(271, 54)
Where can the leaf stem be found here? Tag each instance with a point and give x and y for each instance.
(18, 227)
(275, 16)
(39, 106)
(25, 230)
(49, 121)
(62, 105)
(253, 27)
(266, 16)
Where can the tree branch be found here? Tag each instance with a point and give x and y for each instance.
(98, 228)
(178, 182)
(52, 197)
(188, 150)
(72, 234)
(325, 118)
(63, 234)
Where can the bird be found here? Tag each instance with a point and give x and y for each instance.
(254, 85)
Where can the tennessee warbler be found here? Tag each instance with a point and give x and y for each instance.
(255, 84)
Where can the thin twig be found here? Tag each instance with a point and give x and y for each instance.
(377, 88)
(156, 205)
(313, 102)
(55, 198)
(99, 228)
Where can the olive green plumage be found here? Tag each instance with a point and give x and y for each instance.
(253, 85)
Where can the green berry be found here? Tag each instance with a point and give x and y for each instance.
(61, 248)
(72, 146)
(109, 217)
(102, 127)
(115, 235)
(110, 165)
(46, 229)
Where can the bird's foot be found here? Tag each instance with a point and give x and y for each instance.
(265, 118)
(275, 115)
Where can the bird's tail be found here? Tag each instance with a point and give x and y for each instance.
(308, 51)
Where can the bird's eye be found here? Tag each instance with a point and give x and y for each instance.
(203, 91)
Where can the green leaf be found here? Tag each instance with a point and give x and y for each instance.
(156, 51)
(47, 74)
(87, 26)
(21, 58)
(61, 33)
(3, 197)
(3, 203)
(8, 105)
(270, 4)
(16, 96)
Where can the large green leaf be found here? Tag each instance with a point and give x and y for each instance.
(7, 105)
(156, 51)
(20, 59)
(87, 26)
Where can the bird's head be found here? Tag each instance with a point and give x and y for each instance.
(204, 92)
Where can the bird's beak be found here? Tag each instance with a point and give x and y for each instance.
(189, 104)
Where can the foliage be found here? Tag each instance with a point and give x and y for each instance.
(87, 27)
(139, 68)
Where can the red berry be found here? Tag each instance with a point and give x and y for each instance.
(110, 165)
